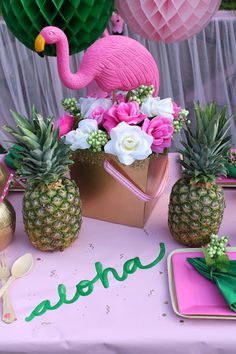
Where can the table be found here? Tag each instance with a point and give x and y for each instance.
(130, 317)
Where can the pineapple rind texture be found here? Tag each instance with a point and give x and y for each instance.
(52, 216)
(51, 205)
(197, 203)
(195, 212)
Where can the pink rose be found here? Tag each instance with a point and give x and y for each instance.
(98, 114)
(176, 109)
(161, 129)
(123, 112)
(65, 124)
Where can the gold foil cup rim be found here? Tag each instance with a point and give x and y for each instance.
(98, 158)
(7, 214)
(3, 178)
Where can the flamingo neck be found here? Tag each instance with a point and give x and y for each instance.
(71, 80)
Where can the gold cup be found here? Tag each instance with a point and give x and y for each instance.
(7, 223)
(7, 213)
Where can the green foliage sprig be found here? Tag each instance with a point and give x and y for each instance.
(215, 254)
(70, 105)
(140, 93)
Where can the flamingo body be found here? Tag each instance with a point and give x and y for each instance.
(114, 62)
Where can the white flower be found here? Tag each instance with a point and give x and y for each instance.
(77, 139)
(129, 143)
(88, 105)
(154, 106)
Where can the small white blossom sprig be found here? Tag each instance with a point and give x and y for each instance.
(70, 105)
(97, 140)
(215, 254)
(140, 93)
(182, 120)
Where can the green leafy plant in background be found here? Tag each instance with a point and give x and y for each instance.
(228, 5)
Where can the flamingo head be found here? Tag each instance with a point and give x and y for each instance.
(48, 35)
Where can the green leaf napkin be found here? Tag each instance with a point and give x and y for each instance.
(13, 156)
(225, 281)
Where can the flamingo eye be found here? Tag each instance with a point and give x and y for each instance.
(51, 33)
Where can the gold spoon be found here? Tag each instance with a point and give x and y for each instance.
(22, 266)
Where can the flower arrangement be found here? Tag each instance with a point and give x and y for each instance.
(232, 157)
(231, 163)
(130, 125)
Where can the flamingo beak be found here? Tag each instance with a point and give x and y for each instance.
(39, 44)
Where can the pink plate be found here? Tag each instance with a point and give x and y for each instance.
(226, 181)
(195, 294)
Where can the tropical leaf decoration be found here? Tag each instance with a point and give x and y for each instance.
(83, 21)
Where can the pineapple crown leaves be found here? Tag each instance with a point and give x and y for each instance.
(205, 150)
(43, 157)
(214, 123)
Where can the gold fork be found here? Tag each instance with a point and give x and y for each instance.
(8, 314)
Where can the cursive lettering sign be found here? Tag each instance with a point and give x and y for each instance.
(85, 287)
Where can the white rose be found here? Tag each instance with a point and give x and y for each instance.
(154, 106)
(129, 143)
(88, 104)
(77, 139)
(87, 126)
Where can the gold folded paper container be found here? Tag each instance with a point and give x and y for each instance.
(7, 213)
(104, 198)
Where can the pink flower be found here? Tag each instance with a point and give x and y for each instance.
(121, 97)
(161, 129)
(177, 110)
(98, 114)
(123, 112)
(65, 124)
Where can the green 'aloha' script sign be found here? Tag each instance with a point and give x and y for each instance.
(85, 287)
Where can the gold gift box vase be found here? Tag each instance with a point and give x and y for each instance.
(113, 192)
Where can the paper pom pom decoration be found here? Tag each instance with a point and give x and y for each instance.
(83, 21)
(167, 20)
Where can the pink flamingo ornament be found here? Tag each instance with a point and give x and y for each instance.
(114, 62)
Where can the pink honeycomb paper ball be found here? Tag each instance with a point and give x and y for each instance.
(167, 20)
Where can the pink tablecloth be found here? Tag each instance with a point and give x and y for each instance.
(130, 317)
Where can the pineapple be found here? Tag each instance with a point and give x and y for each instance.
(51, 204)
(197, 203)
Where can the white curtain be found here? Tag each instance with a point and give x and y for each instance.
(202, 68)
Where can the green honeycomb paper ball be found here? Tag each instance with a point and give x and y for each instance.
(83, 21)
